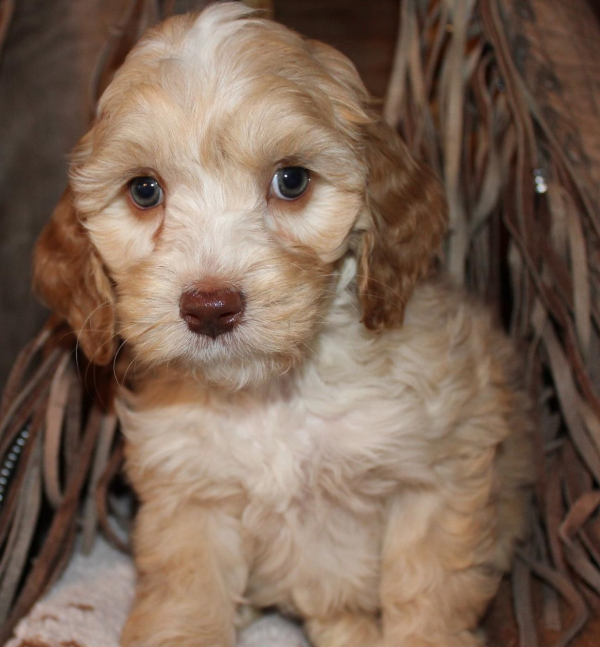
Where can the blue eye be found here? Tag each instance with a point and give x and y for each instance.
(290, 183)
(145, 192)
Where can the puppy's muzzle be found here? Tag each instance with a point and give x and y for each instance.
(211, 313)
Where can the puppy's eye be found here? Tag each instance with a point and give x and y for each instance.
(290, 183)
(145, 192)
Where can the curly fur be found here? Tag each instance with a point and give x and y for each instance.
(356, 450)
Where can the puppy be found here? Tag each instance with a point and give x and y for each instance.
(312, 421)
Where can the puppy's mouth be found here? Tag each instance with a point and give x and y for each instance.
(232, 353)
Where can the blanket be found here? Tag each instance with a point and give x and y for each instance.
(89, 604)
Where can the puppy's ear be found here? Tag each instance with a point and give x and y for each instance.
(406, 221)
(406, 213)
(69, 277)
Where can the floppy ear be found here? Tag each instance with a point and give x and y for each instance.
(69, 277)
(406, 213)
(408, 217)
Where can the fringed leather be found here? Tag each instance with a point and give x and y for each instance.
(525, 235)
(56, 441)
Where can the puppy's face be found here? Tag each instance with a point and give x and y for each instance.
(223, 180)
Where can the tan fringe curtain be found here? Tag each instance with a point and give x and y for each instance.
(525, 234)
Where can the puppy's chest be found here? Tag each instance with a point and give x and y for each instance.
(274, 453)
(279, 453)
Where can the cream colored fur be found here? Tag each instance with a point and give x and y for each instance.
(356, 450)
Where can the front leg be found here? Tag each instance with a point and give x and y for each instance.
(439, 569)
(344, 630)
(191, 576)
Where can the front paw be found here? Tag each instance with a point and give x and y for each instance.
(345, 630)
(167, 628)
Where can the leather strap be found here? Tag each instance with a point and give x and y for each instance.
(526, 235)
(70, 439)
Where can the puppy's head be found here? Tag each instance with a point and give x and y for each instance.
(231, 167)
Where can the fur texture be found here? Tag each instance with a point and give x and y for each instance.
(356, 449)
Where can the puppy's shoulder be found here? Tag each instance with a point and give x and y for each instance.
(438, 302)
(449, 335)
(443, 314)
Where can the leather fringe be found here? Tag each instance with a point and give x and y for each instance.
(524, 232)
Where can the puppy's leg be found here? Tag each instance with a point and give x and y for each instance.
(438, 568)
(344, 630)
(191, 574)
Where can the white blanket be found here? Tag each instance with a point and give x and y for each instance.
(88, 606)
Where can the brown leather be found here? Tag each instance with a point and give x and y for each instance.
(509, 117)
(58, 461)
(7, 8)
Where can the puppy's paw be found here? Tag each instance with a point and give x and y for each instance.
(345, 630)
(163, 630)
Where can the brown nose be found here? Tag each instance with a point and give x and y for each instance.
(211, 313)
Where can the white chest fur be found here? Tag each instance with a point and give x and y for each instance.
(360, 403)
(277, 449)
(311, 479)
